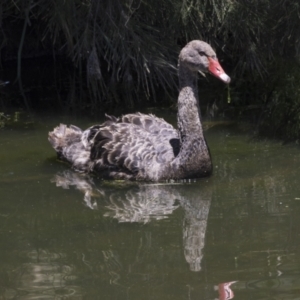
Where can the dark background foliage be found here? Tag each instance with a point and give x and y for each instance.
(96, 55)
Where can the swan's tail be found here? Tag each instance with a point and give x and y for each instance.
(67, 142)
(63, 136)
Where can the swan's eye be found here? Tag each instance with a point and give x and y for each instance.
(202, 53)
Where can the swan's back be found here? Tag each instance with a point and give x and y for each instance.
(132, 147)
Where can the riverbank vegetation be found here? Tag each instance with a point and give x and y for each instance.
(94, 55)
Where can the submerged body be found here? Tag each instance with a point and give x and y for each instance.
(144, 147)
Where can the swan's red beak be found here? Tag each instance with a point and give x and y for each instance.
(216, 70)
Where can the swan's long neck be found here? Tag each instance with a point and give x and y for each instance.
(193, 159)
(188, 116)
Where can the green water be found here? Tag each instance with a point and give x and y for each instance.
(68, 236)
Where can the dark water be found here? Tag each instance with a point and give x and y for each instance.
(68, 236)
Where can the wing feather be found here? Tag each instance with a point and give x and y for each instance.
(131, 144)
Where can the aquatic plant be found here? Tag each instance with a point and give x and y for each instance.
(3, 119)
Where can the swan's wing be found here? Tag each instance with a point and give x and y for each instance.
(149, 123)
(132, 144)
(160, 130)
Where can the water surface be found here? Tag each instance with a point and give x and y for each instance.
(234, 235)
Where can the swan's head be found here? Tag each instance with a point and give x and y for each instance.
(199, 56)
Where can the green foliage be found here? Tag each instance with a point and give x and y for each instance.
(125, 51)
(281, 114)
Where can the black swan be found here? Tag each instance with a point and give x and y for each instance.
(144, 147)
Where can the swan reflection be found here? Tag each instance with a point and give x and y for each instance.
(81, 182)
(143, 203)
